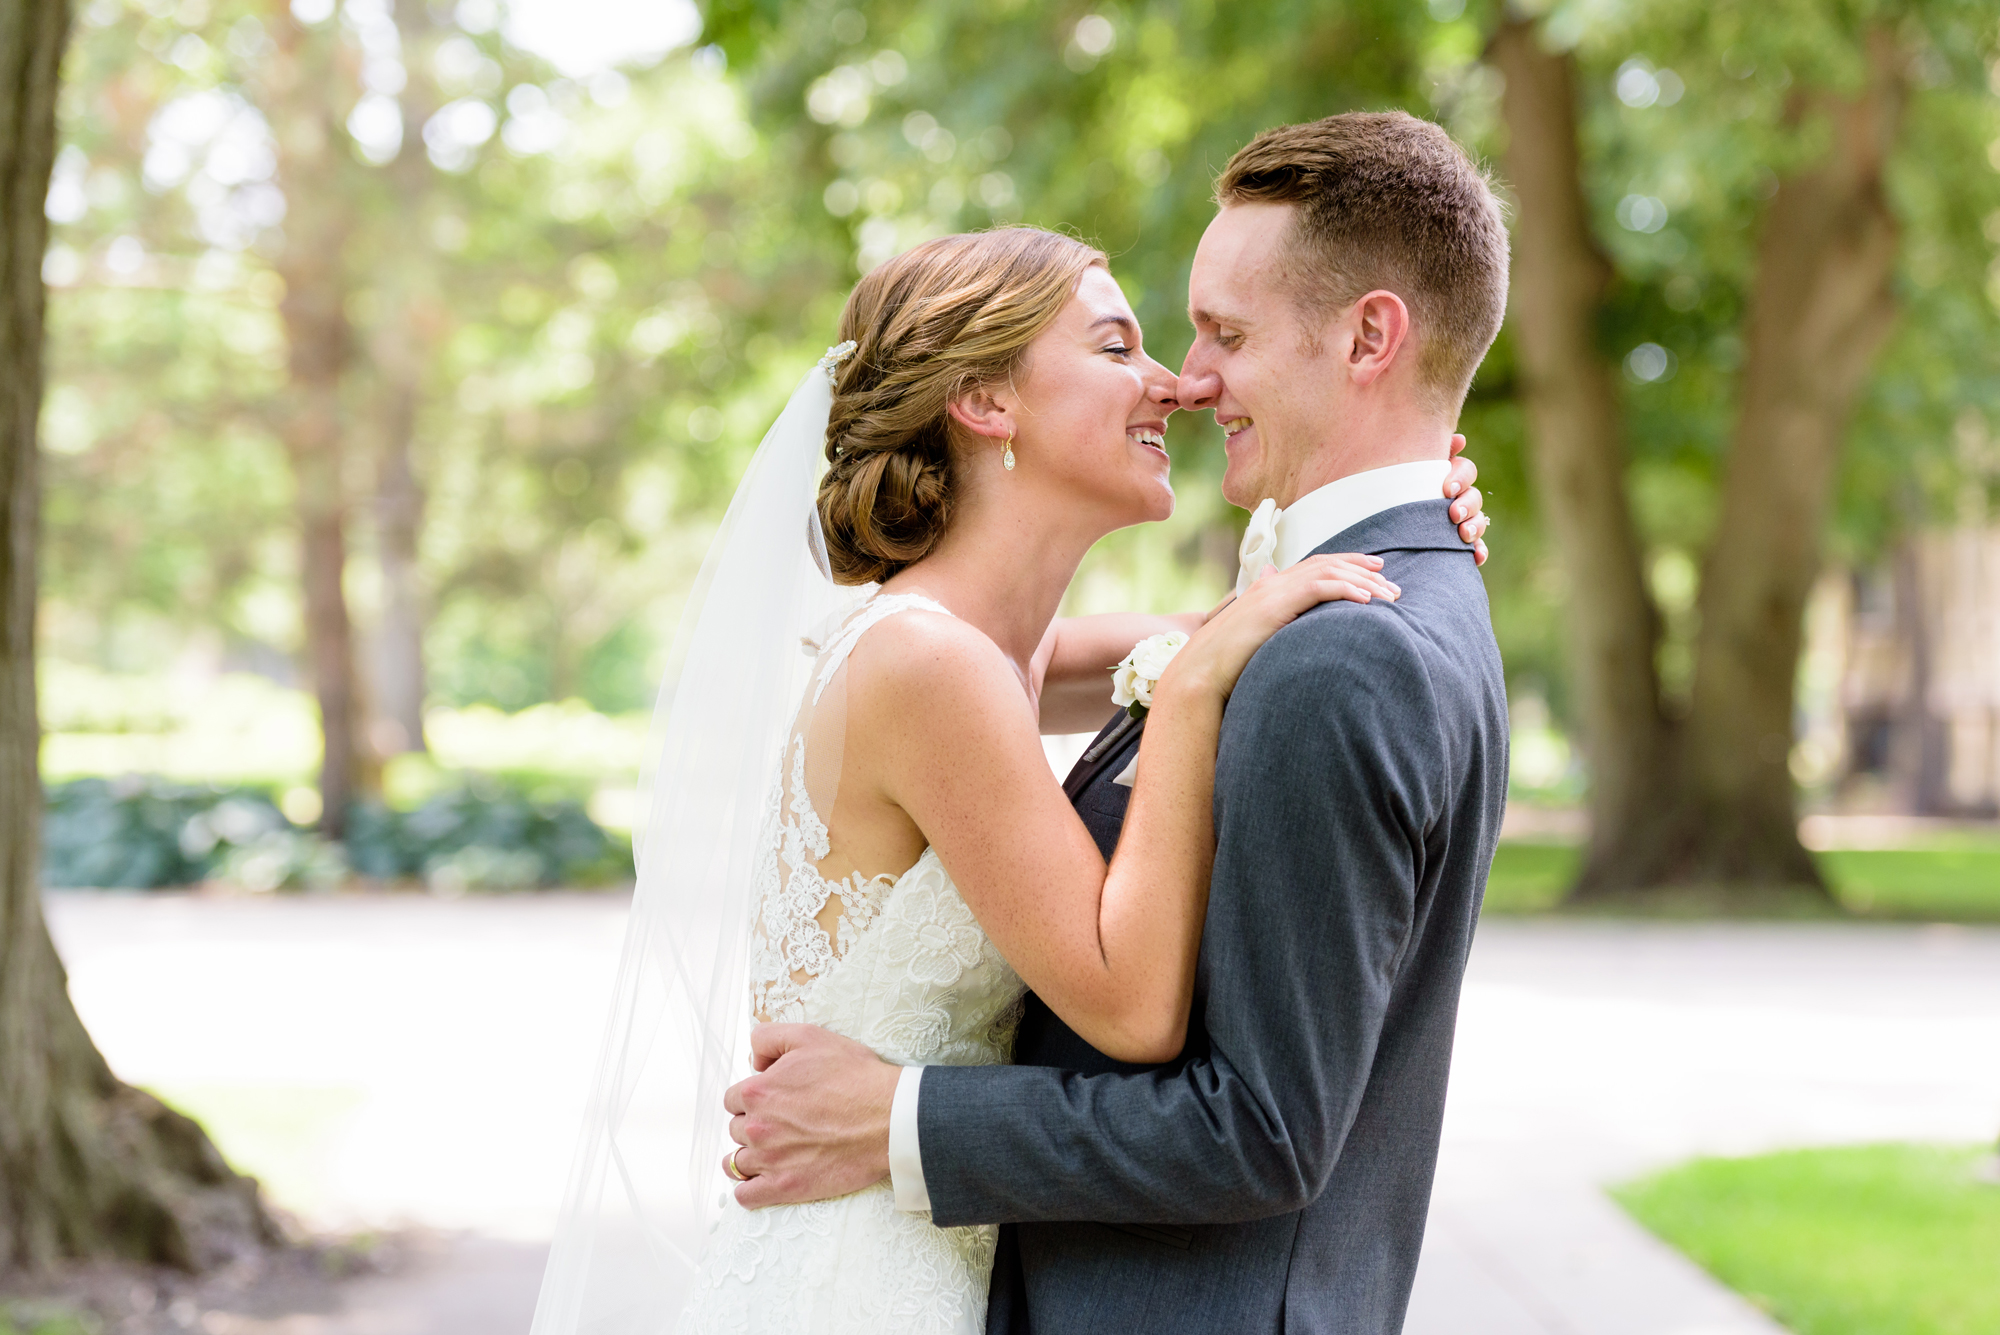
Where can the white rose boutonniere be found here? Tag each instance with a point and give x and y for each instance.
(1133, 680)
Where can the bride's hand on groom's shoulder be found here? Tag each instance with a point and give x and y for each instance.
(813, 1122)
(1217, 654)
(1468, 505)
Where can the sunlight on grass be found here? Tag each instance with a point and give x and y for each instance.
(1874, 1240)
(1944, 882)
(242, 728)
(1529, 878)
(35, 1319)
(1953, 883)
(287, 1137)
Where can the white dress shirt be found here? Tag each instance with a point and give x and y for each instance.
(1276, 537)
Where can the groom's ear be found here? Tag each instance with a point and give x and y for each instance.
(1379, 323)
(979, 412)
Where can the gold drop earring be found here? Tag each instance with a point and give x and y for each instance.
(1007, 453)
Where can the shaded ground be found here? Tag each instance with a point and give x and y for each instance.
(411, 1283)
(410, 1064)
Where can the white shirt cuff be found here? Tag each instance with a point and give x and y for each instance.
(906, 1160)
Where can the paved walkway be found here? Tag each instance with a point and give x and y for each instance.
(409, 1061)
(1589, 1053)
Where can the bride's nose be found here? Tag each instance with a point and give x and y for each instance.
(1164, 389)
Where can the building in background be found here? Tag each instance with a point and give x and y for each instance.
(1911, 651)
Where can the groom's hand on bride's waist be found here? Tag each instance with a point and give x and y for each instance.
(814, 1121)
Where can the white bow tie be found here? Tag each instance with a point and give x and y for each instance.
(1260, 544)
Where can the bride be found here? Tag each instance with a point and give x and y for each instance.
(867, 836)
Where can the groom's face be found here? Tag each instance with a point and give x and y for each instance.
(1267, 375)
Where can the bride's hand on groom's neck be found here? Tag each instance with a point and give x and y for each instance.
(1468, 506)
(813, 1123)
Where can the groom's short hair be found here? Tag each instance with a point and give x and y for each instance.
(1385, 200)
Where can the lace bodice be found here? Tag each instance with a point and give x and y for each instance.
(920, 951)
(893, 961)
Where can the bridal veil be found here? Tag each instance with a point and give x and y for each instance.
(647, 1183)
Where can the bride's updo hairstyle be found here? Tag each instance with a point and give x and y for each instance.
(930, 325)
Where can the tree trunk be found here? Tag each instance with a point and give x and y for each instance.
(1819, 311)
(399, 508)
(401, 351)
(1710, 801)
(298, 86)
(89, 1167)
(1577, 457)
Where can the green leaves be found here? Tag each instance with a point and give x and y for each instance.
(607, 295)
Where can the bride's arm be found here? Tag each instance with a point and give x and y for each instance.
(1076, 656)
(1110, 949)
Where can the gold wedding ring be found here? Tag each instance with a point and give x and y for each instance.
(729, 1166)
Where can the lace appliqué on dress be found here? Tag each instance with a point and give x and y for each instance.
(789, 946)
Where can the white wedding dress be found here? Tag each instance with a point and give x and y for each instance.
(904, 969)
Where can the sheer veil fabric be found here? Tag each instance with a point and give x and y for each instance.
(646, 1185)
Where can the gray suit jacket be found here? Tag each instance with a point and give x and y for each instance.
(1276, 1176)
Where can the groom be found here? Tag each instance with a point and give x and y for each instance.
(1275, 1176)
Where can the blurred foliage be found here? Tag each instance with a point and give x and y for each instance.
(1863, 1240)
(609, 282)
(482, 833)
(141, 832)
(591, 314)
(1110, 120)
(484, 837)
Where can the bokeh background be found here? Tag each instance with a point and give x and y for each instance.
(402, 355)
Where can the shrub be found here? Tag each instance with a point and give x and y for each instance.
(482, 834)
(286, 859)
(137, 832)
(485, 835)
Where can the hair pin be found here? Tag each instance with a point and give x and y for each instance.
(835, 355)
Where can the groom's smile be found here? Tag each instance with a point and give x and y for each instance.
(1237, 437)
(1232, 427)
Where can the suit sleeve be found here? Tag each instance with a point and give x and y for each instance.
(1328, 783)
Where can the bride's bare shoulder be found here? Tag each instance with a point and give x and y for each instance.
(918, 662)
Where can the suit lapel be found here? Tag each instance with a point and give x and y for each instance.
(1418, 526)
(1111, 743)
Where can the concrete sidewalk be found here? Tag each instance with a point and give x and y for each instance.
(426, 1063)
(1561, 1259)
(1592, 1052)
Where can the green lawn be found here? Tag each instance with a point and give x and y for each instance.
(1875, 1240)
(45, 1318)
(1529, 878)
(286, 1137)
(1961, 882)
